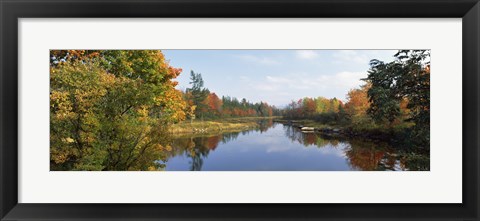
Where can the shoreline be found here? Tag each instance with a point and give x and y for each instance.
(393, 136)
(218, 125)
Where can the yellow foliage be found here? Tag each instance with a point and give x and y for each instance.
(109, 109)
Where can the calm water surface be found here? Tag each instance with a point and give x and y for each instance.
(278, 147)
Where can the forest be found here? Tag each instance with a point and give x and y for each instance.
(121, 109)
(394, 102)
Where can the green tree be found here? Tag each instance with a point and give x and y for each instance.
(198, 93)
(407, 78)
(383, 96)
(414, 85)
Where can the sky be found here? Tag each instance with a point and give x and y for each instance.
(276, 76)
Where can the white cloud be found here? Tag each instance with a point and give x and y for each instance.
(244, 78)
(266, 87)
(310, 85)
(351, 56)
(306, 54)
(302, 81)
(349, 80)
(277, 79)
(258, 60)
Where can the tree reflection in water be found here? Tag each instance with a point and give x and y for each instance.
(197, 147)
(359, 154)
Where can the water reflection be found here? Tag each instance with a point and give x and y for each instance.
(284, 148)
(197, 147)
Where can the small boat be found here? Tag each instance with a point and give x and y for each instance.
(308, 128)
(308, 131)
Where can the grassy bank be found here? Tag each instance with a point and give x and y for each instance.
(218, 125)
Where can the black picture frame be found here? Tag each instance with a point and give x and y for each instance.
(11, 10)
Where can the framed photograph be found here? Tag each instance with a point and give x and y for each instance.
(227, 110)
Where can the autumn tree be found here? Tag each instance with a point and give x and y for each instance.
(264, 110)
(214, 105)
(232, 107)
(309, 107)
(322, 104)
(110, 110)
(358, 104)
(320, 109)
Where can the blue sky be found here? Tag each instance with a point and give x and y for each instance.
(276, 76)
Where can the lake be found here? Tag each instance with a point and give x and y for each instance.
(278, 147)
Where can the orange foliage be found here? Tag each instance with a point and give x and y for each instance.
(212, 142)
(214, 103)
(365, 158)
(358, 102)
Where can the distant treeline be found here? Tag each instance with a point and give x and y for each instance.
(202, 103)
